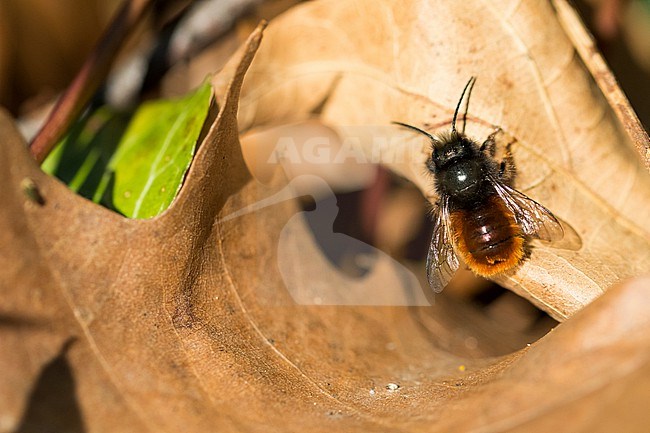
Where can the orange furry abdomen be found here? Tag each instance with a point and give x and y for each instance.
(487, 237)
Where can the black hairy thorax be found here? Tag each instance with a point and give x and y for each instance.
(460, 169)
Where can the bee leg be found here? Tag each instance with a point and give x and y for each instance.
(490, 143)
(507, 168)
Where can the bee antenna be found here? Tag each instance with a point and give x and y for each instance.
(415, 128)
(470, 86)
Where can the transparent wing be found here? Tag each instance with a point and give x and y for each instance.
(534, 219)
(442, 261)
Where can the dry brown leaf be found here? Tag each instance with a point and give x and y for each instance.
(183, 322)
(360, 66)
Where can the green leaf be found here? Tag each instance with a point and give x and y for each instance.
(137, 169)
(155, 153)
(81, 160)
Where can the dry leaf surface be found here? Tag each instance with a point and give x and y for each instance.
(409, 62)
(183, 322)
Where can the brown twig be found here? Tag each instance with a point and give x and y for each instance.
(90, 76)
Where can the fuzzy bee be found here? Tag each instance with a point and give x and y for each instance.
(478, 216)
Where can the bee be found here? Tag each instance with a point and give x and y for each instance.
(479, 216)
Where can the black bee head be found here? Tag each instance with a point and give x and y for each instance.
(449, 149)
(457, 164)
